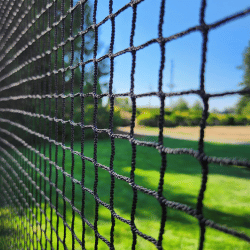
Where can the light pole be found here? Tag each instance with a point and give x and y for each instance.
(171, 84)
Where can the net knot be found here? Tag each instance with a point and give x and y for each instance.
(204, 27)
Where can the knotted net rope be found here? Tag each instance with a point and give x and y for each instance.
(38, 41)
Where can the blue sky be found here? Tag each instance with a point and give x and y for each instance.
(225, 48)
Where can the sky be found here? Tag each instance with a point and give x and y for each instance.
(226, 45)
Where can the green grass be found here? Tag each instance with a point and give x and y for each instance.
(227, 200)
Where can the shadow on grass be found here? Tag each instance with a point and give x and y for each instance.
(6, 229)
(182, 182)
(240, 152)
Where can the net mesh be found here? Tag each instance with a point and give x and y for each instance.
(46, 66)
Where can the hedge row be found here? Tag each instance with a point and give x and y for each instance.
(189, 118)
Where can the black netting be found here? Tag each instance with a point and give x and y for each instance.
(51, 105)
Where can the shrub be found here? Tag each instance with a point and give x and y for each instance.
(167, 111)
(169, 121)
(190, 118)
(213, 120)
(178, 119)
(226, 120)
(241, 120)
(121, 117)
(149, 118)
(194, 119)
(230, 120)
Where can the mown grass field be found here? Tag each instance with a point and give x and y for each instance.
(227, 198)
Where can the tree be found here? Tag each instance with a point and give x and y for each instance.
(42, 68)
(242, 103)
(123, 102)
(81, 24)
(197, 107)
(181, 105)
(229, 110)
(246, 109)
(245, 99)
(246, 68)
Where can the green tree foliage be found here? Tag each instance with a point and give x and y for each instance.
(246, 109)
(124, 103)
(79, 24)
(197, 107)
(246, 68)
(181, 105)
(245, 100)
(242, 103)
(52, 57)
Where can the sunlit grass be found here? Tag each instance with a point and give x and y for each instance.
(226, 199)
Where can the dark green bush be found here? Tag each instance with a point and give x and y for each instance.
(213, 120)
(169, 121)
(167, 111)
(226, 120)
(241, 120)
(230, 120)
(194, 119)
(149, 118)
(179, 119)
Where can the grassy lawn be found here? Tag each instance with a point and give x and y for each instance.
(227, 200)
